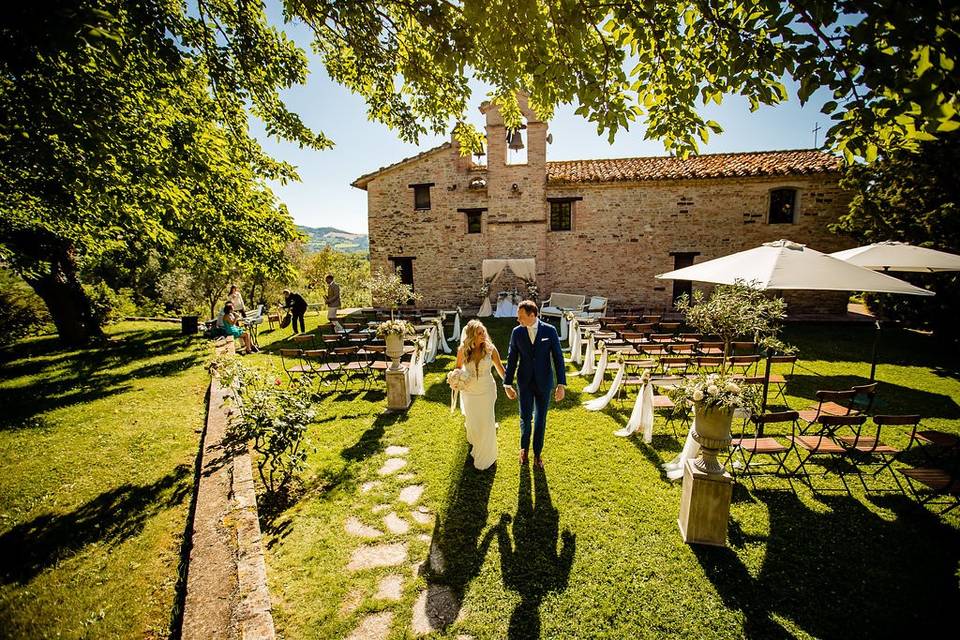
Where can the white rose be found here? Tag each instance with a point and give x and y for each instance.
(732, 388)
(697, 395)
(713, 389)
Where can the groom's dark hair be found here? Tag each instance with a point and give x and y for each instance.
(529, 306)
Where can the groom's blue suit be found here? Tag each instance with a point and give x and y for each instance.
(535, 378)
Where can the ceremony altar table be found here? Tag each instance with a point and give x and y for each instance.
(506, 305)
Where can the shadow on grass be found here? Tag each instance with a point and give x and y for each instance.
(85, 375)
(860, 575)
(538, 559)
(459, 543)
(111, 517)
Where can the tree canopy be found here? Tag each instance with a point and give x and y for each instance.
(124, 128)
(913, 197)
(889, 64)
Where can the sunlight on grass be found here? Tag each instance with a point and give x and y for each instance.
(99, 447)
(590, 548)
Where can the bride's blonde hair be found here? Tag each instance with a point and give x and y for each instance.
(469, 338)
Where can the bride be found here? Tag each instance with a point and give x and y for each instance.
(477, 355)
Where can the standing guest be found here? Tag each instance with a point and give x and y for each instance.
(232, 327)
(235, 299)
(333, 298)
(297, 306)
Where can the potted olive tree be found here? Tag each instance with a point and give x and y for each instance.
(389, 290)
(731, 312)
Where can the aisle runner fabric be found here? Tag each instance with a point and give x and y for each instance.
(602, 402)
(588, 363)
(594, 386)
(641, 417)
(415, 373)
(575, 355)
(691, 449)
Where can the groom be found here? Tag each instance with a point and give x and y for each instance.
(534, 344)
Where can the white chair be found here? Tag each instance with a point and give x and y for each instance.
(596, 309)
(559, 303)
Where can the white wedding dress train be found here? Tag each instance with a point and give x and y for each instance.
(479, 397)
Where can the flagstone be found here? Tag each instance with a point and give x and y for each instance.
(390, 588)
(357, 528)
(436, 609)
(371, 557)
(411, 494)
(397, 451)
(373, 627)
(392, 465)
(396, 524)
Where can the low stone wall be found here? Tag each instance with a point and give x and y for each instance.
(227, 595)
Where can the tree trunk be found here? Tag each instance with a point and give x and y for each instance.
(66, 300)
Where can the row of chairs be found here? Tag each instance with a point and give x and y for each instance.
(849, 445)
(338, 367)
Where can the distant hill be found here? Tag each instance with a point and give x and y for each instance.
(320, 237)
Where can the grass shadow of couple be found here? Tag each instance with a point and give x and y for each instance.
(536, 558)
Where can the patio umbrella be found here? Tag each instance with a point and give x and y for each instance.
(899, 256)
(786, 265)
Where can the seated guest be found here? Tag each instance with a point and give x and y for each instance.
(232, 328)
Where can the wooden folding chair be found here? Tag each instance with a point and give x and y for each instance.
(708, 348)
(322, 367)
(779, 380)
(831, 403)
(755, 443)
(824, 444)
(870, 450)
(933, 485)
(743, 348)
(743, 365)
(670, 327)
(292, 362)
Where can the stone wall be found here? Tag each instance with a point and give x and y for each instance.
(623, 234)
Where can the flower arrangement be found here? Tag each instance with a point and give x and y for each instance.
(601, 346)
(533, 291)
(458, 378)
(714, 390)
(485, 288)
(394, 327)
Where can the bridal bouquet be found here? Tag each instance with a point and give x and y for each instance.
(458, 379)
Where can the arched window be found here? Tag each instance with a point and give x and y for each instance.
(783, 206)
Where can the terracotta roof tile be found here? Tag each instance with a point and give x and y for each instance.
(718, 165)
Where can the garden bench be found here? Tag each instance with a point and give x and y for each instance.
(559, 303)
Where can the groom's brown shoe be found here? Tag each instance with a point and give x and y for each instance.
(523, 457)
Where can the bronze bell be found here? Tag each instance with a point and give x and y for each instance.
(515, 140)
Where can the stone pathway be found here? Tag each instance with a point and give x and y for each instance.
(406, 524)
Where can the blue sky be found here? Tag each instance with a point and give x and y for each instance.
(324, 197)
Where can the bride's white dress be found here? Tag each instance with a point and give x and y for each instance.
(479, 397)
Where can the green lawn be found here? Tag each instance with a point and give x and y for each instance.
(99, 448)
(590, 547)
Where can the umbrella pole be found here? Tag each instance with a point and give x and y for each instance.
(876, 351)
(766, 383)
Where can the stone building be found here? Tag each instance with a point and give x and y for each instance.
(595, 227)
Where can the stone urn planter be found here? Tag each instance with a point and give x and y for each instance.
(394, 349)
(712, 434)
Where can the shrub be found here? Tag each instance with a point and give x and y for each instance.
(22, 312)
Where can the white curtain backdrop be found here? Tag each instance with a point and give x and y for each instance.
(491, 268)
